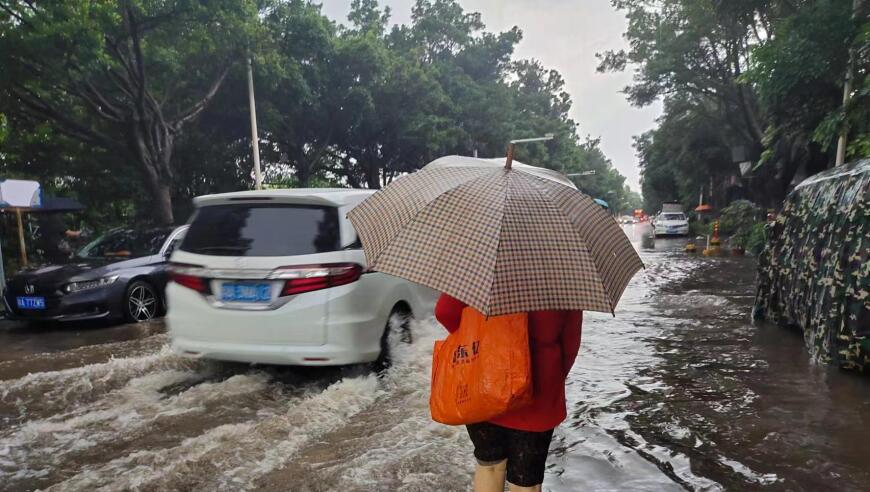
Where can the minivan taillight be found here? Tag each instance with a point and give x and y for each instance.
(182, 275)
(308, 278)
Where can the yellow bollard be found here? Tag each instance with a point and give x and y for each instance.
(715, 241)
(714, 248)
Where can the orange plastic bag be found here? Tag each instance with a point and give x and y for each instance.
(482, 370)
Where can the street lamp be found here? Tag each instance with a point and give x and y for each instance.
(584, 173)
(510, 151)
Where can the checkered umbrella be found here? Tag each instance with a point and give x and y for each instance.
(501, 240)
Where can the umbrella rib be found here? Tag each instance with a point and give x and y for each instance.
(545, 200)
(497, 247)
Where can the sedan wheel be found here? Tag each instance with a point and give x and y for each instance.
(142, 302)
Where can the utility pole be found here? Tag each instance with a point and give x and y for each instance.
(847, 89)
(22, 246)
(255, 142)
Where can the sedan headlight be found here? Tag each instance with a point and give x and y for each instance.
(89, 284)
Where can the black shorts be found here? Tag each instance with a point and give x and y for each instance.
(525, 452)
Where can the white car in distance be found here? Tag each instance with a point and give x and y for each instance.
(279, 277)
(671, 224)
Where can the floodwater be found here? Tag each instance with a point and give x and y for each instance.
(678, 392)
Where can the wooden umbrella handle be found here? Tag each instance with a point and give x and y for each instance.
(510, 156)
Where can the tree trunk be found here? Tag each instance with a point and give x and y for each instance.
(373, 175)
(163, 205)
(302, 174)
(160, 191)
(154, 162)
(303, 169)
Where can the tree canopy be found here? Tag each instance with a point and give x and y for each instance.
(137, 106)
(743, 81)
(124, 76)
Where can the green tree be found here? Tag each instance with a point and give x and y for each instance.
(798, 75)
(764, 77)
(392, 109)
(125, 76)
(65, 166)
(4, 128)
(297, 94)
(683, 154)
(340, 105)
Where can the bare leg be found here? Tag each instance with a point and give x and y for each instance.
(517, 488)
(489, 477)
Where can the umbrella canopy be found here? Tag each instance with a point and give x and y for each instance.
(501, 240)
(601, 202)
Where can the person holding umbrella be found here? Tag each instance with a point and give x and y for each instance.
(512, 247)
(514, 445)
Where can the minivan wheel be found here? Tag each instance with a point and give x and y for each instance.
(396, 331)
(141, 302)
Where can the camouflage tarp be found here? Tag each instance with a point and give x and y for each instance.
(814, 272)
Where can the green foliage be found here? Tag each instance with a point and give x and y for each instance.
(739, 221)
(756, 239)
(798, 75)
(124, 76)
(679, 158)
(739, 217)
(136, 106)
(700, 228)
(360, 105)
(293, 182)
(762, 77)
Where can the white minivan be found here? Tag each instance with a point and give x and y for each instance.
(279, 277)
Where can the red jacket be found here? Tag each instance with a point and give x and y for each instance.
(554, 337)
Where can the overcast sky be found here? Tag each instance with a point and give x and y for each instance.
(564, 35)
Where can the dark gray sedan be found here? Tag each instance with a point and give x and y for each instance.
(119, 276)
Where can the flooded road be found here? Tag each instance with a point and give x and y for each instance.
(678, 392)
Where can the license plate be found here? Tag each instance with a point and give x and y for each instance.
(235, 292)
(30, 302)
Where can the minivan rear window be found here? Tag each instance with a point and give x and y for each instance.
(262, 230)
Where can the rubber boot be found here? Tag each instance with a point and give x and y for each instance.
(517, 488)
(489, 477)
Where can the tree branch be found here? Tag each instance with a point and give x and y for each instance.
(106, 112)
(128, 67)
(200, 105)
(34, 104)
(15, 15)
(121, 82)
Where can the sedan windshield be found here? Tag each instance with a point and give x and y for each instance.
(673, 217)
(126, 243)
